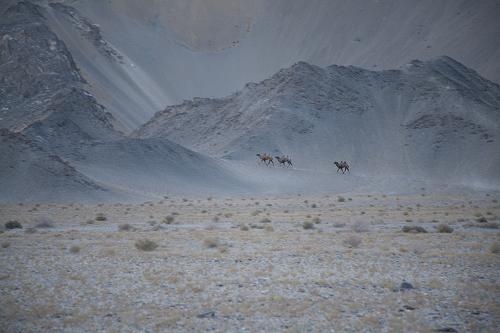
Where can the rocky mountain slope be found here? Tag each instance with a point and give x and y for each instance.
(138, 58)
(60, 143)
(436, 119)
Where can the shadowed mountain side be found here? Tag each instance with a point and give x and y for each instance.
(30, 173)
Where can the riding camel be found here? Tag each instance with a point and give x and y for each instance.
(266, 158)
(284, 160)
(342, 166)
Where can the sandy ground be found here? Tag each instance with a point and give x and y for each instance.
(251, 264)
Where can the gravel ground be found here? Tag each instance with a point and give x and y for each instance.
(287, 263)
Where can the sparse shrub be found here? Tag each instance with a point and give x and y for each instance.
(269, 228)
(352, 241)
(44, 222)
(211, 243)
(314, 205)
(125, 227)
(13, 225)
(265, 220)
(74, 249)
(414, 229)
(216, 219)
(5, 244)
(316, 220)
(146, 245)
(244, 227)
(228, 215)
(482, 219)
(340, 199)
(495, 248)
(168, 219)
(100, 217)
(444, 228)
(286, 211)
(256, 212)
(308, 225)
(338, 225)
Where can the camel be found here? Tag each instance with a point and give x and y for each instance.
(284, 160)
(342, 166)
(266, 158)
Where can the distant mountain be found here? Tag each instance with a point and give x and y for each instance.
(140, 56)
(436, 119)
(58, 143)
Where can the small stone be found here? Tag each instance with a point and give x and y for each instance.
(208, 314)
(447, 329)
(405, 286)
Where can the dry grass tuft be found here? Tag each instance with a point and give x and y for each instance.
(308, 225)
(444, 228)
(168, 219)
(125, 227)
(74, 249)
(414, 229)
(211, 243)
(13, 225)
(100, 217)
(44, 222)
(352, 241)
(146, 245)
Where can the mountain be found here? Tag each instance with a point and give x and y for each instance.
(60, 144)
(42, 92)
(433, 119)
(139, 57)
(29, 172)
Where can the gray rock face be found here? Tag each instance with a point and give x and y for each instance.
(58, 142)
(40, 86)
(434, 119)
